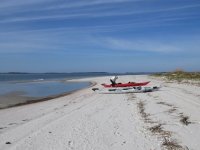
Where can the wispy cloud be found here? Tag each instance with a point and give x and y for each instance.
(87, 28)
(163, 46)
(85, 3)
(139, 45)
(19, 3)
(12, 6)
(64, 40)
(45, 41)
(69, 10)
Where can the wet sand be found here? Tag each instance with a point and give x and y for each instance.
(12, 98)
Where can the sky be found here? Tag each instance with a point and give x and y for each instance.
(99, 35)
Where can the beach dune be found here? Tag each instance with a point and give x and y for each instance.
(86, 120)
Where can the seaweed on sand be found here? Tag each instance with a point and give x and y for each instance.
(158, 129)
(171, 144)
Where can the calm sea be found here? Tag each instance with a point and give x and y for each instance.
(44, 76)
(19, 88)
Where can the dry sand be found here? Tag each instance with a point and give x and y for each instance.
(85, 120)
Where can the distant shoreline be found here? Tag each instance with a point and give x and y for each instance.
(52, 72)
(72, 73)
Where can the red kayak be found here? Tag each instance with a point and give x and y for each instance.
(129, 84)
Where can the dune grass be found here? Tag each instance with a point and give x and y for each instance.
(179, 75)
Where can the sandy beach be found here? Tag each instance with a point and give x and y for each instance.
(85, 120)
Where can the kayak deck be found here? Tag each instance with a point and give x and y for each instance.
(129, 84)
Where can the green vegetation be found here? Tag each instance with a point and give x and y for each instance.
(179, 75)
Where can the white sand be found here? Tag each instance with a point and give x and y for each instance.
(86, 120)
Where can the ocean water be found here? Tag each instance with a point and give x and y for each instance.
(41, 89)
(15, 77)
(42, 84)
(19, 88)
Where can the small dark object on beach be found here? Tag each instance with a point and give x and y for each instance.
(185, 120)
(25, 120)
(156, 128)
(164, 103)
(8, 142)
(12, 124)
(95, 89)
(171, 110)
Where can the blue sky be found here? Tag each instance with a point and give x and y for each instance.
(99, 35)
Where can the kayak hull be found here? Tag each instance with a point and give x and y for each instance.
(126, 90)
(129, 84)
